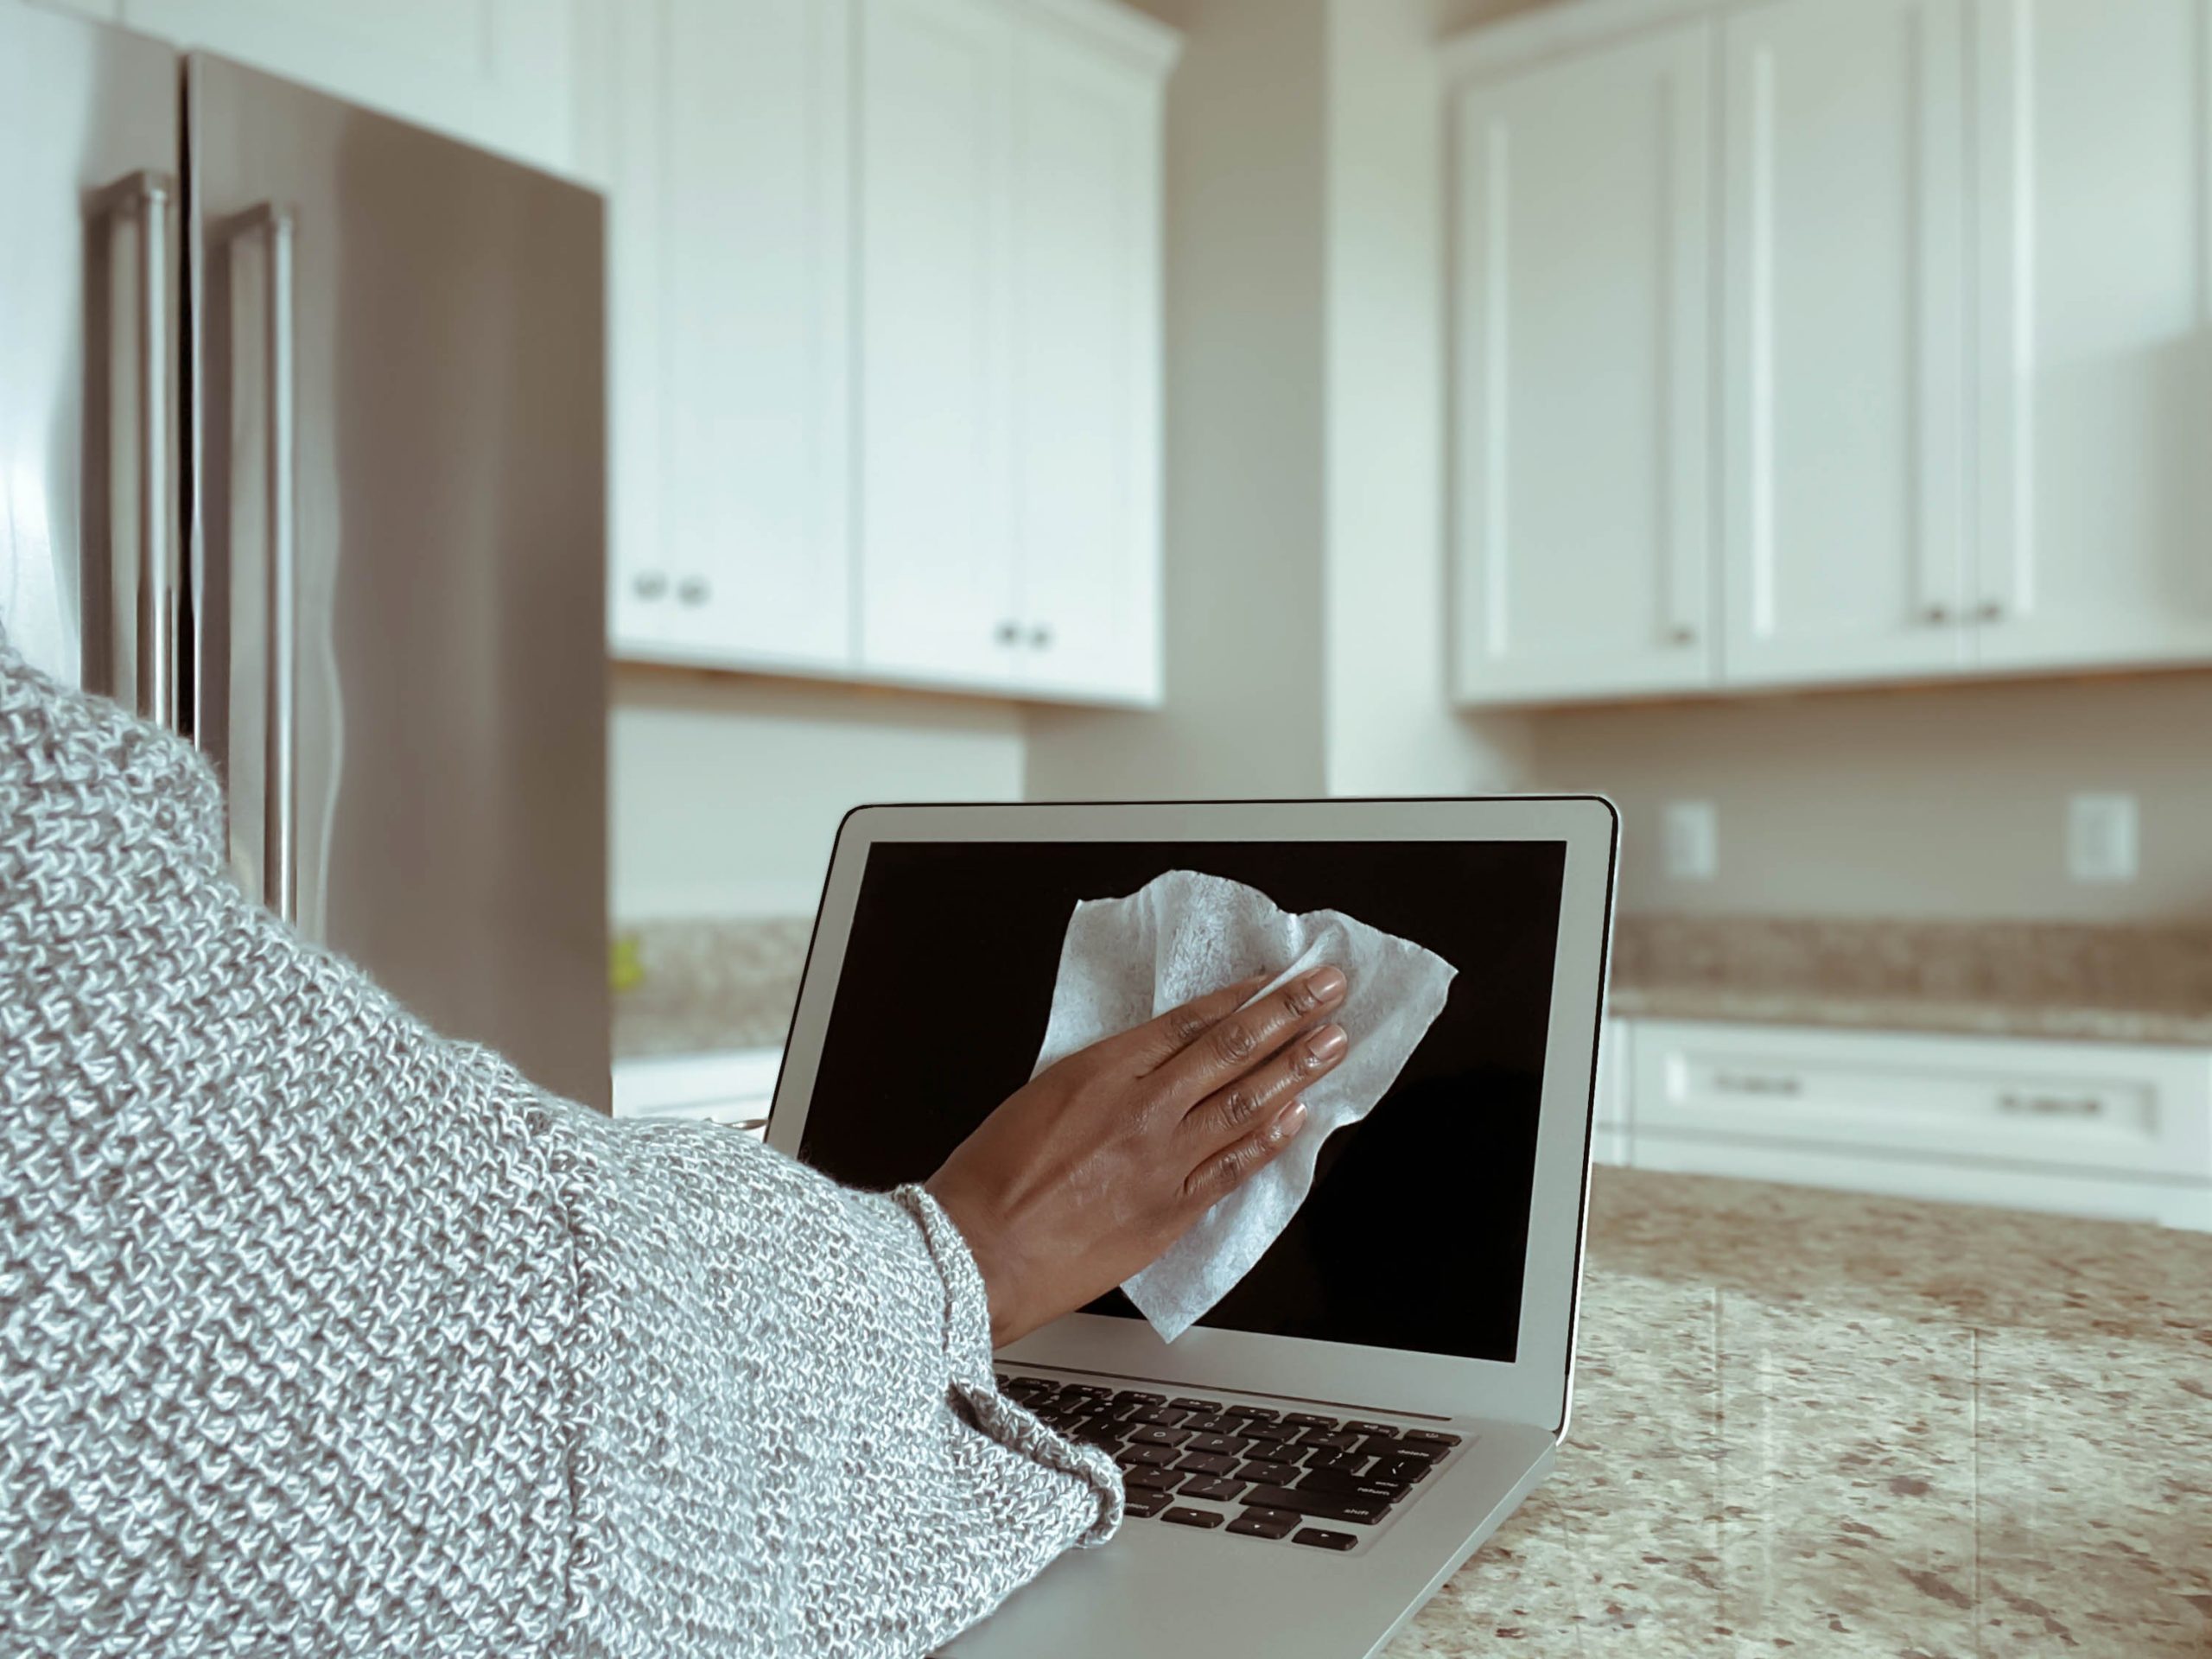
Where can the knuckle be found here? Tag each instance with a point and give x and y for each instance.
(1238, 1104)
(1186, 1025)
(1233, 1040)
(1298, 997)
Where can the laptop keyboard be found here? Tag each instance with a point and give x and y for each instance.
(1225, 1465)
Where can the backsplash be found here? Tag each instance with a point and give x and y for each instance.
(700, 986)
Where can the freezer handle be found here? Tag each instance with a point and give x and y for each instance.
(146, 649)
(280, 829)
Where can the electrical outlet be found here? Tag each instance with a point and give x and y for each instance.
(2100, 838)
(1690, 831)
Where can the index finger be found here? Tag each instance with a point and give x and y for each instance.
(1161, 1039)
(1238, 1042)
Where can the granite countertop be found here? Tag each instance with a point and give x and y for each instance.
(695, 987)
(1991, 979)
(1845, 1425)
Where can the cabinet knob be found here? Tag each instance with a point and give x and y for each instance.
(692, 590)
(1937, 615)
(1009, 633)
(1682, 635)
(1041, 637)
(1992, 610)
(649, 584)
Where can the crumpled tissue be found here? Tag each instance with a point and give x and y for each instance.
(1183, 935)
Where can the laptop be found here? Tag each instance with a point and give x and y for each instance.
(1312, 1460)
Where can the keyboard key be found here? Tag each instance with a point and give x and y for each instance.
(1412, 1449)
(1132, 1457)
(1429, 1437)
(1144, 1505)
(1328, 1438)
(1335, 1481)
(1144, 1478)
(1265, 1523)
(1374, 1446)
(1181, 1517)
(1135, 1397)
(1157, 1416)
(1322, 1506)
(1152, 1436)
(1307, 1420)
(1384, 1429)
(1398, 1469)
(1266, 1414)
(1200, 1463)
(1107, 1435)
(1213, 1489)
(1315, 1538)
(1272, 1474)
(1343, 1462)
(1222, 1445)
(1091, 1388)
(1266, 1430)
(1219, 1423)
(1188, 1404)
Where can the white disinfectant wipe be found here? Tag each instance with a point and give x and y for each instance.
(1183, 935)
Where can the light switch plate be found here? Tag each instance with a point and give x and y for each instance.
(1690, 831)
(2100, 838)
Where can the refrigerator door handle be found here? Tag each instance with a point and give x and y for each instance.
(280, 791)
(145, 648)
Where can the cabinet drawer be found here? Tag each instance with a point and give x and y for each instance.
(2076, 1107)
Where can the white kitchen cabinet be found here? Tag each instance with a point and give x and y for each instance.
(938, 599)
(1008, 348)
(1581, 292)
(2095, 328)
(1086, 369)
(2094, 1129)
(728, 172)
(1844, 365)
(1612, 1131)
(498, 74)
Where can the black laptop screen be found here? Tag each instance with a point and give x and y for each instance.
(1415, 1234)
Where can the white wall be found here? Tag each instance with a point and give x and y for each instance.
(724, 795)
(1244, 432)
(1390, 728)
(1938, 804)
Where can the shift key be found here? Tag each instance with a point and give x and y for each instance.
(1324, 1506)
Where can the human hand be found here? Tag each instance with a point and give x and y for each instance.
(1090, 1171)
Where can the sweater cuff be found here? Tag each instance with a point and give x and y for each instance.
(968, 1353)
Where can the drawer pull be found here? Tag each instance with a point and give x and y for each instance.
(1742, 1083)
(2051, 1105)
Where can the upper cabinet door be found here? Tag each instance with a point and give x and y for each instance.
(939, 596)
(1581, 292)
(1844, 357)
(1086, 368)
(2096, 331)
(495, 73)
(732, 253)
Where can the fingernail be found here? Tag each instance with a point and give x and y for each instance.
(1328, 1044)
(1326, 984)
(1292, 1120)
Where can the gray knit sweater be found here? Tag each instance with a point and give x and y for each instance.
(321, 1334)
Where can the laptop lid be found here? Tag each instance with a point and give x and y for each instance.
(1434, 1267)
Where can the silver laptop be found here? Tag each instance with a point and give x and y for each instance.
(1310, 1462)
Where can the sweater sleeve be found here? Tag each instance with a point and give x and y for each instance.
(319, 1332)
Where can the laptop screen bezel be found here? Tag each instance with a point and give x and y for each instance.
(1537, 1387)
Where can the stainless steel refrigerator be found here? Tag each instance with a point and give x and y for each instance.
(301, 428)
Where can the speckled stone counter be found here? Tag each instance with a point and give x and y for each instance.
(1840, 1425)
(1991, 979)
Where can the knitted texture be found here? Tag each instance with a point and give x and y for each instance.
(321, 1334)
